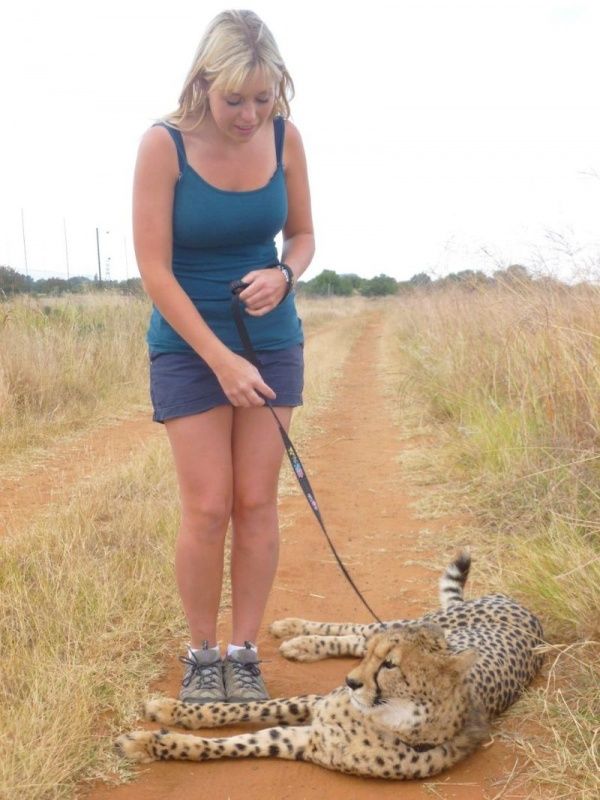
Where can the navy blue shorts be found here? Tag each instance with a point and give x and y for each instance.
(182, 383)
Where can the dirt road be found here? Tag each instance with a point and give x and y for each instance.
(353, 466)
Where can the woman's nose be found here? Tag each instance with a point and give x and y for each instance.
(248, 113)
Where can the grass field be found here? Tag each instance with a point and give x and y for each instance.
(508, 381)
(64, 363)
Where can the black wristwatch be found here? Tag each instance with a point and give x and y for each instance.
(289, 278)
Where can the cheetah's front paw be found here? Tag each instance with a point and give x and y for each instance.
(161, 709)
(302, 648)
(138, 746)
(284, 628)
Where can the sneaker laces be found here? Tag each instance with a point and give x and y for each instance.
(246, 672)
(208, 674)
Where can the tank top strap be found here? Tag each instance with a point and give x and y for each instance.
(178, 139)
(279, 124)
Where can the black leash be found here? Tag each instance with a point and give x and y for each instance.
(236, 310)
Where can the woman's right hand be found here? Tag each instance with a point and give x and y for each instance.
(241, 382)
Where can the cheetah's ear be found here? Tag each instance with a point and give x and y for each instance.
(461, 663)
(433, 631)
(430, 636)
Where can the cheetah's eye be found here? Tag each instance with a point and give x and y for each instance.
(388, 665)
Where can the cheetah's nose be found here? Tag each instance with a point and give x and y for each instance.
(353, 684)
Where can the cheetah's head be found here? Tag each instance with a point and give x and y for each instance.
(412, 683)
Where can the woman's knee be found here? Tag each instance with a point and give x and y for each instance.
(248, 506)
(206, 517)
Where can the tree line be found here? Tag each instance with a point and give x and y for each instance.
(328, 283)
(13, 282)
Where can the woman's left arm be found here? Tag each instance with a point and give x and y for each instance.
(298, 233)
(269, 286)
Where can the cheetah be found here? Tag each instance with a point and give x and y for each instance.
(420, 700)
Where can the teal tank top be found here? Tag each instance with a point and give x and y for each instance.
(219, 236)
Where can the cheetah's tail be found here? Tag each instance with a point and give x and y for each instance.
(453, 580)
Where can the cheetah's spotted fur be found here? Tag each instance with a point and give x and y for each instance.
(419, 701)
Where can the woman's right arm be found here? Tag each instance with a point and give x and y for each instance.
(156, 173)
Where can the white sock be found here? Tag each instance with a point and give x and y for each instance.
(214, 649)
(231, 648)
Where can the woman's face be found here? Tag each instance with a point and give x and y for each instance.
(238, 115)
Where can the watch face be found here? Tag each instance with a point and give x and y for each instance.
(287, 271)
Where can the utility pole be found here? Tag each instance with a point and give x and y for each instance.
(24, 241)
(98, 250)
(66, 246)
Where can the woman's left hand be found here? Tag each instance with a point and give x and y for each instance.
(266, 290)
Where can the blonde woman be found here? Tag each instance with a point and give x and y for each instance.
(214, 183)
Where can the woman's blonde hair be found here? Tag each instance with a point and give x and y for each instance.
(235, 44)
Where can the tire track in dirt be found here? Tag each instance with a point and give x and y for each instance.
(353, 466)
(67, 463)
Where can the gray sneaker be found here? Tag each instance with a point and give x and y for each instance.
(203, 679)
(243, 681)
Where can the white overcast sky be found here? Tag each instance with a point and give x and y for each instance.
(440, 135)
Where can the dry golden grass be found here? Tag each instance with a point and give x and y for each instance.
(65, 362)
(89, 606)
(507, 380)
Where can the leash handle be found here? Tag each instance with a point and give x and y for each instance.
(236, 310)
(294, 458)
(238, 286)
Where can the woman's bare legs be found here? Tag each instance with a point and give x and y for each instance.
(227, 462)
(202, 448)
(257, 452)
